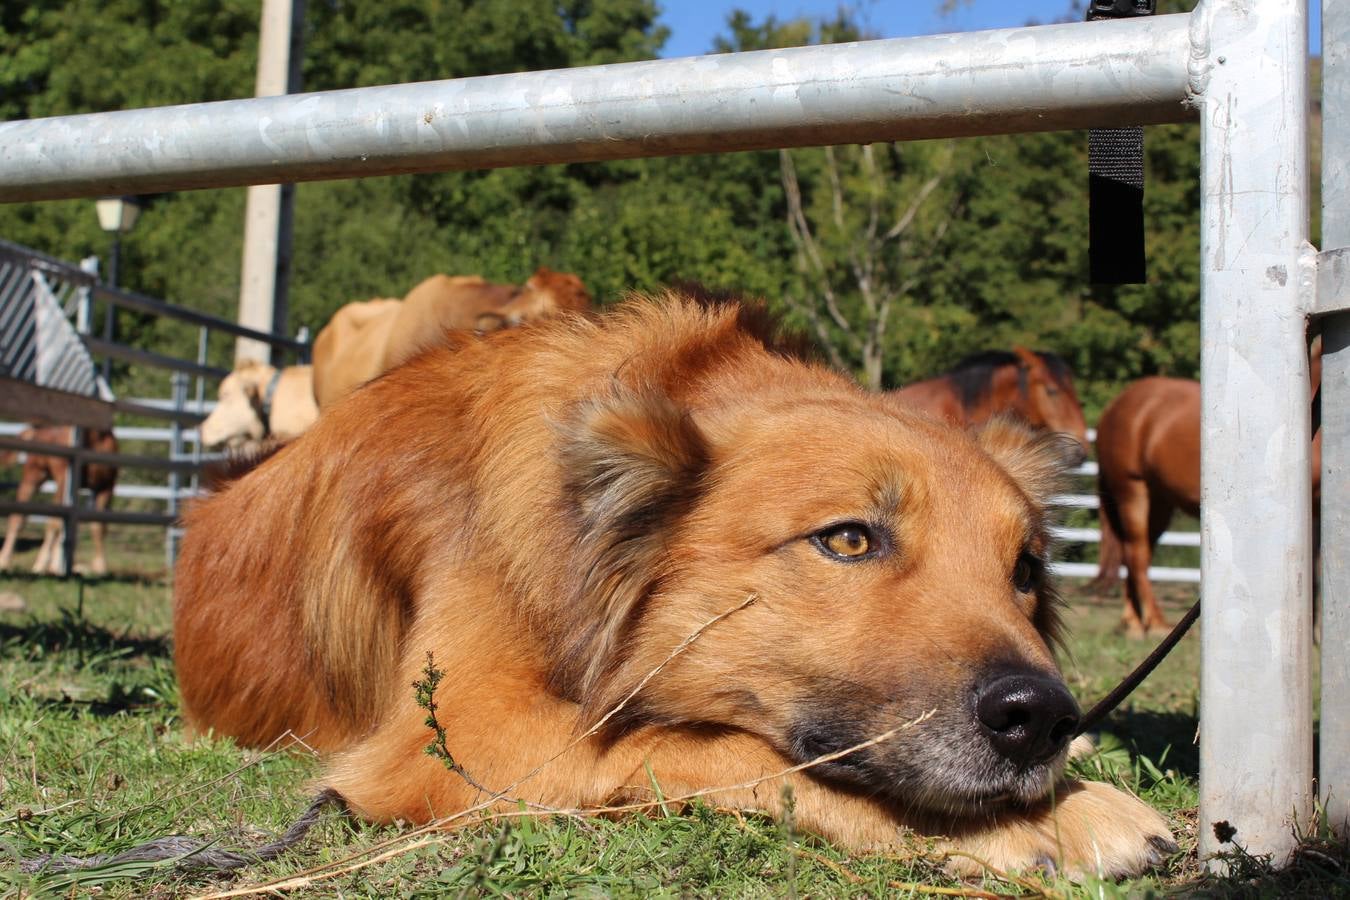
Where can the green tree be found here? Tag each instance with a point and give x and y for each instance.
(992, 248)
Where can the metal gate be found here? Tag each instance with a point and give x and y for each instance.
(1239, 66)
(48, 374)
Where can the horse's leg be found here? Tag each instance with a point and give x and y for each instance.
(50, 556)
(1132, 509)
(98, 529)
(50, 537)
(27, 486)
(1159, 517)
(11, 537)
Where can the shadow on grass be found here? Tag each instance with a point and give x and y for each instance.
(70, 633)
(140, 577)
(1153, 733)
(1319, 868)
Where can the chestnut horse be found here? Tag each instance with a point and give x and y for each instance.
(1037, 386)
(1148, 459)
(38, 468)
(1148, 466)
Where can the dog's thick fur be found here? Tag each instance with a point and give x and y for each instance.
(550, 511)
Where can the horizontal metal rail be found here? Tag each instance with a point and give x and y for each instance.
(1155, 573)
(1094, 536)
(46, 263)
(36, 260)
(136, 408)
(1045, 78)
(120, 460)
(83, 514)
(124, 491)
(142, 303)
(147, 358)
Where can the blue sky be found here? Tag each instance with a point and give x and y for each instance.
(694, 23)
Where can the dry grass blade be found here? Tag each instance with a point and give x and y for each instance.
(911, 886)
(502, 794)
(265, 754)
(319, 873)
(409, 841)
(854, 878)
(990, 869)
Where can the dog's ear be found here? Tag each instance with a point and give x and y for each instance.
(632, 461)
(1039, 461)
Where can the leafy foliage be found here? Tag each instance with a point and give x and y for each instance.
(995, 254)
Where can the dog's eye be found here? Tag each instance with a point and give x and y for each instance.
(849, 541)
(1025, 572)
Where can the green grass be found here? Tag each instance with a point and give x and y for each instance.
(92, 761)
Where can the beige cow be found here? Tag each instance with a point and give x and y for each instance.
(349, 350)
(257, 401)
(366, 339)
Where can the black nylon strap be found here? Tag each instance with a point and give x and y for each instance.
(267, 401)
(1116, 182)
(1116, 205)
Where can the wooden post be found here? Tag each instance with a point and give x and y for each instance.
(269, 209)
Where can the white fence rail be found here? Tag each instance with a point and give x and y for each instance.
(1065, 534)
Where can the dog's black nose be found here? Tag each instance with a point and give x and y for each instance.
(1028, 716)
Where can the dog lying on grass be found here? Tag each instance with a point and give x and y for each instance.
(655, 551)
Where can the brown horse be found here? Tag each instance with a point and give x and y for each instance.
(1148, 459)
(1037, 386)
(38, 468)
(1148, 466)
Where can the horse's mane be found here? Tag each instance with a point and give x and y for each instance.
(973, 374)
(1059, 369)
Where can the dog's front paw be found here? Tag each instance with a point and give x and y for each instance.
(1087, 829)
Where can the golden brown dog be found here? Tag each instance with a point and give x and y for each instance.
(554, 511)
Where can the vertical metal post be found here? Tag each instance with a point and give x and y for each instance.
(180, 385)
(269, 209)
(1334, 777)
(109, 308)
(1249, 67)
(199, 406)
(71, 500)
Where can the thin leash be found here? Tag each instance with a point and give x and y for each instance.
(1141, 671)
(193, 854)
(1145, 668)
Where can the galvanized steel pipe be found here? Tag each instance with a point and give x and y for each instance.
(1334, 777)
(1255, 496)
(1024, 79)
